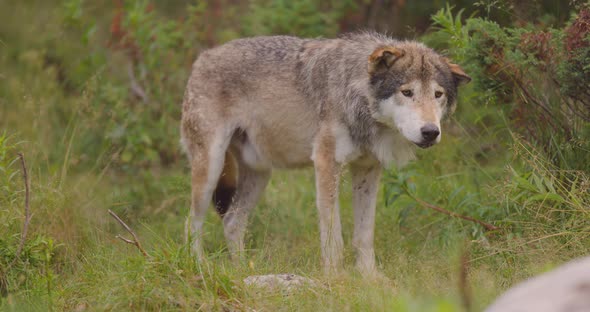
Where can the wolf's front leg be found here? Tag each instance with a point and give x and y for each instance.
(327, 174)
(365, 183)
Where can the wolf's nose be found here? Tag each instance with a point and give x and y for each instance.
(429, 132)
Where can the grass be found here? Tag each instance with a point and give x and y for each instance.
(90, 269)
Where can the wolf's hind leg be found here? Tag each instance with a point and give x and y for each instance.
(207, 159)
(251, 183)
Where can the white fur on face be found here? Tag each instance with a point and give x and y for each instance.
(410, 114)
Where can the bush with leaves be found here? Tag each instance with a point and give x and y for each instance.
(539, 77)
(528, 95)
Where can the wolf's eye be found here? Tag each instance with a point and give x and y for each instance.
(407, 93)
(438, 94)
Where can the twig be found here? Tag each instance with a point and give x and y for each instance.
(135, 240)
(135, 86)
(487, 226)
(23, 236)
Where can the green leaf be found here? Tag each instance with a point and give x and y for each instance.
(544, 197)
(522, 182)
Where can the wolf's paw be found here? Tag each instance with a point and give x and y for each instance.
(372, 274)
(334, 271)
(375, 276)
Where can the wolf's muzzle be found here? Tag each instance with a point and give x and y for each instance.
(429, 134)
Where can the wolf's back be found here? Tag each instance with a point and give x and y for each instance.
(253, 53)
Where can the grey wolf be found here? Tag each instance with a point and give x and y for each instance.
(363, 100)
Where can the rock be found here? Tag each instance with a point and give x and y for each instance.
(565, 289)
(287, 282)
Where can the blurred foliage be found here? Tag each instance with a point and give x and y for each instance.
(306, 18)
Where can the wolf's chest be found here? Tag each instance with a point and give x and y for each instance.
(388, 147)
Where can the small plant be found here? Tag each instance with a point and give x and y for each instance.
(543, 198)
(21, 258)
(400, 184)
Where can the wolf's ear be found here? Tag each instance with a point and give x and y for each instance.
(460, 76)
(383, 58)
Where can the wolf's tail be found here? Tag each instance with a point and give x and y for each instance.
(227, 184)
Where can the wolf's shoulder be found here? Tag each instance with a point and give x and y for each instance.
(368, 37)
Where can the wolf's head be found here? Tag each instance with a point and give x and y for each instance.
(413, 88)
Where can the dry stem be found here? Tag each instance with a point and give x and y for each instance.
(135, 86)
(135, 240)
(487, 226)
(23, 236)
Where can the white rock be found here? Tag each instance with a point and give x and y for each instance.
(565, 289)
(286, 282)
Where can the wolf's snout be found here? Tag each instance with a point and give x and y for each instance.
(429, 133)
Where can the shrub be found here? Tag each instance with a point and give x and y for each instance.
(539, 77)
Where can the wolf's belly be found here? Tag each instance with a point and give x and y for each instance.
(266, 157)
(282, 146)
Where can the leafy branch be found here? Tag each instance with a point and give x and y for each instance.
(401, 187)
(425, 204)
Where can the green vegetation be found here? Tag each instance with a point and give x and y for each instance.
(90, 93)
